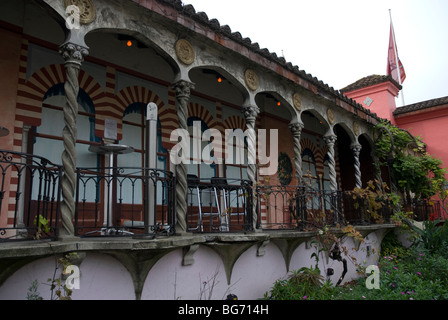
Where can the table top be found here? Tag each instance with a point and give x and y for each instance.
(111, 148)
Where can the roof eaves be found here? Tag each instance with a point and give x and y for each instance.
(421, 105)
(214, 24)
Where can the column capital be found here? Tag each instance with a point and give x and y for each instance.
(296, 128)
(73, 53)
(183, 88)
(250, 112)
(356, 148)
(330, 139)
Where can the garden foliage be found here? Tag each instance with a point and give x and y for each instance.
(416, 273)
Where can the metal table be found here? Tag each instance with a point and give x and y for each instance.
(110, 150)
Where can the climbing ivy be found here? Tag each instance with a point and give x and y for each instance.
(414, 170)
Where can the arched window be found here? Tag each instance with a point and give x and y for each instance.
(134, 124)
(134, 128)
(309, 169)
(311, 179)
(236, 162)
(48, 140)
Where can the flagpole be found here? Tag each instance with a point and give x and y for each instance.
(396, 56)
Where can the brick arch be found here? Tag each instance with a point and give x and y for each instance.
(137, 94)
(31, 93)
(91, 87)
(308, 144)
(235, 122)
(197, 110)
(322, 153)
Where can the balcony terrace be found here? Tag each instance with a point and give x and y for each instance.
(129, 214)
(114, 202)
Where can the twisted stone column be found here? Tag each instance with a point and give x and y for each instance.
(377, 168)
(330, 140)
(296, 129)
(182, 89)
(356, 149)
(73, 55)
(250, 114)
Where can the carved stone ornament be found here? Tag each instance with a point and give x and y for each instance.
(87, 11)
(251, 79)
(73, 53)
(185, 51)
(330, 116)
(297, 101)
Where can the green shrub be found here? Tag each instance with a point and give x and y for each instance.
(304, 284)
(418, 275)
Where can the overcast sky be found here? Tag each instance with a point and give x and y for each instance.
(342, 41)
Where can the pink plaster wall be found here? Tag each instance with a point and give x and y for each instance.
(383, 96)
(430, 125)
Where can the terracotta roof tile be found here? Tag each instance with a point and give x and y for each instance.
(370, 81)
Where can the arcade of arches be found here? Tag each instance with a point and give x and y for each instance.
(117, 67)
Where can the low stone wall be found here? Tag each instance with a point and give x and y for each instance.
(189, 267)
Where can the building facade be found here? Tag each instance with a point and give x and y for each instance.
(423, 119)
(75, 97)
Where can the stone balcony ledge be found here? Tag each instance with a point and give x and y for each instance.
(40, 248)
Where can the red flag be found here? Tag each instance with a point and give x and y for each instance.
(393, 58)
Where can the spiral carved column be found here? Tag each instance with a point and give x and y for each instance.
(250, 114)
(73, 55)
(356, 149)
(182, 89)
(296, 129)
(377, 168)
(330, 140)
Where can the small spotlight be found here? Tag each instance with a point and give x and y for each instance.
(279, 103)
(129, 43)
(219, 79)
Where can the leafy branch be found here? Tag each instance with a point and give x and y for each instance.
(414, 170)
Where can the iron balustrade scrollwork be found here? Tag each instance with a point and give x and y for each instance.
(124, 201)
(219, 205)
(302, 208)
(30, 196)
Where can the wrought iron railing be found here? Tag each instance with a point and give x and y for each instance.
(140, 201)
(298, 207)
(124, 201)
(30, 195)
(219, 205)
(425, 209)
